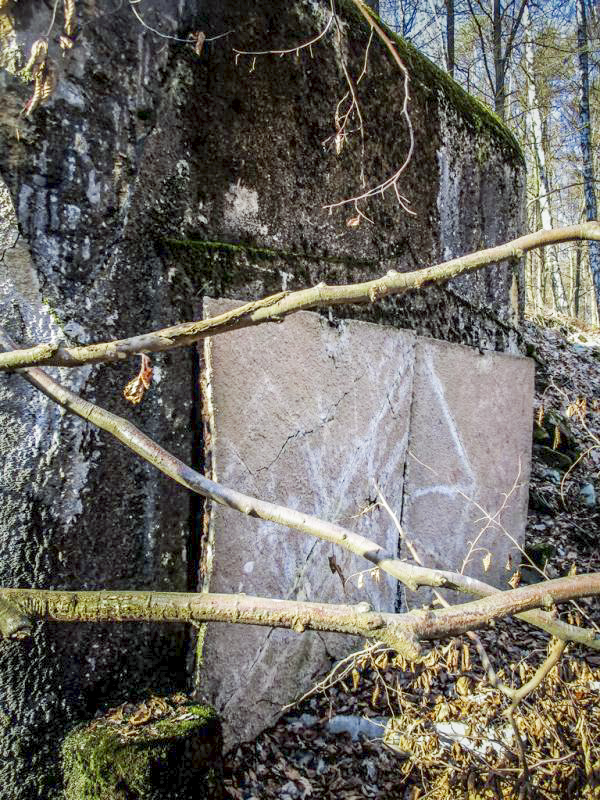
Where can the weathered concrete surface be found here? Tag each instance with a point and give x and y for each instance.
(311, 416)
(314, 416)
(467, 476)
(143, 142)
(77, 511)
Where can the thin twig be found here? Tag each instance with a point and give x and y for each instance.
(187, 40)
(290, 50)
(392, 181)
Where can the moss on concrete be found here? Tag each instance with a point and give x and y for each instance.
(477, 116)
(216, 268)
(262, 252)
(174, 758)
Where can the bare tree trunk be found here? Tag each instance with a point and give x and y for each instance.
(450, 36)
(591, 210)
(577, 280)
(499, 62)
(534, 120)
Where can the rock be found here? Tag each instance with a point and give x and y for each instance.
(540, 501)
(558, 432)
(588, 494)
(539, 553)
(554, 458)
(371, 728)
(553, 475)
(581, 349)
(540, 434)
(331, 421)
(338, 410)
(470, 441)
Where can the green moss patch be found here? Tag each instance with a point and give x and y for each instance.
(162, 749)
(430, 78)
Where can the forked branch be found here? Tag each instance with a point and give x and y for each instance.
(411, 575)
(401, 632)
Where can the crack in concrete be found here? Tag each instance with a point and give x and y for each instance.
(329, 417)
(400, 604)
(249, 669)
(293, 593)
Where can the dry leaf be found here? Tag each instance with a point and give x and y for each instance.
(141, 716)
(516, 579)
(556, 440)
(37, 56)
(466, 658)
(335, 568)
(70, 20)
(375, 695)
(136, 388)
(487, 560)
(198, 38)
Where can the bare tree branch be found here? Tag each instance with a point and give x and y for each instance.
(392, 181)
(411, 575)
(401, 632)
(277, 306)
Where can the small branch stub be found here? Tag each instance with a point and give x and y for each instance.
(13, 623)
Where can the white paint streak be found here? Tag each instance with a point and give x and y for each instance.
(241, 209)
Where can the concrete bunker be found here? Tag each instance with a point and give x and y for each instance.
(146, 183)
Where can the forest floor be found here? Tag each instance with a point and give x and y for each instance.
(436, 730)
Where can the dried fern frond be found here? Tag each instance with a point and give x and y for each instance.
(70, 19)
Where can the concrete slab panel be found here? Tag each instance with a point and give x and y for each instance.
(309, 415)
(467, 473)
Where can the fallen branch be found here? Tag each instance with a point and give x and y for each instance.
(411, 575)
(149, 606)
(400, 632)
(277, 306)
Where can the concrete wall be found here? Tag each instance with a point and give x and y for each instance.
(144, 153)
(322, 418)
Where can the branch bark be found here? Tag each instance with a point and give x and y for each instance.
(275, 307)
(401, 632)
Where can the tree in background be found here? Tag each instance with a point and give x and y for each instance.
(585, 136)
(537, 66)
